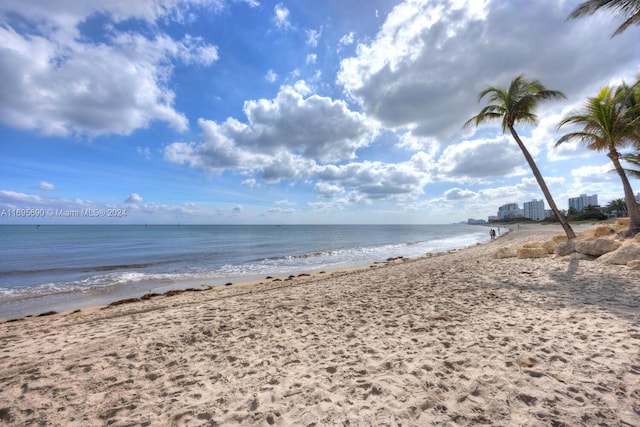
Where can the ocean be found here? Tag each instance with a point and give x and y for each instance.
(60, 267)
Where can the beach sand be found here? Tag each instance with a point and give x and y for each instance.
(461, 338)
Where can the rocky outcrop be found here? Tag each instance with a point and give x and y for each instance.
(566, 248)
(577, 257)
(592, 246)
(531, 253)
(596, 246)
(623, 256)
(604, 247)
(506, 252)
(603, 231)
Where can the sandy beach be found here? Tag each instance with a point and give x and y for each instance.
(455, 339)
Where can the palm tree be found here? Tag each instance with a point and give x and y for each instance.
(634, 159)
(632, 102)
(516, 104)
(617, 205)
(629, 9)
(609, 124)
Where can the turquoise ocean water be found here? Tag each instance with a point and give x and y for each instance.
(58, 267)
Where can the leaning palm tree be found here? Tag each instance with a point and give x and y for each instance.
(629, 9)
(609, 124)
(516, 104)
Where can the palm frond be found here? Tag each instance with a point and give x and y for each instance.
(629, 9)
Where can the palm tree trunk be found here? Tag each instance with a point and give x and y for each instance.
(629, 198)
(543, 186)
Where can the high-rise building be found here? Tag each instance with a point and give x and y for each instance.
(534, 210)
(579, 203)
(509, 211)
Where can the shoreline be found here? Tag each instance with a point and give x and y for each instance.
(65, 302)
(455, 339)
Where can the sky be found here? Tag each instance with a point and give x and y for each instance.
(292, 111)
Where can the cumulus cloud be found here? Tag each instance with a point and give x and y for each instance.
(325, 189)
(459, 194)
(429, 61)
(58, 81)
(376, 180)
(482, 158)
(284, 137)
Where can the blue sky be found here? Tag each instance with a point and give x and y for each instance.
(305, 111)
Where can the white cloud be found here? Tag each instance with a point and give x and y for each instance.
(133, 198)
(347, 39)
(57, 81)
(325, 189)
(482, 158)
(47, 186)
(252, 3)
(281, 16)
(312, 58)
(312, 37)
(376, 180)
(459, 194)
(283, 137)
(271, 76)
(430, 59)
(13, 199)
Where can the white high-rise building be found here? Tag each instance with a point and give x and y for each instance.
(579, 203)
(534, 210)
(509, 211)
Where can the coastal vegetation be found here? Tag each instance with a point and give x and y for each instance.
(516, 104)
(610, 122)
(628, 9)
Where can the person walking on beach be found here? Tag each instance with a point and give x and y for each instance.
(492, 234)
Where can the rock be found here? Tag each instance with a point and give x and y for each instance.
(634, 265)
(506, 253)
(560, 238)
(566, 248)
(577, 257)
(622, 223)
(627, 253)
(596, 246)
(549, 246)
(603, 231)
(532, 245)
(531, 253)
